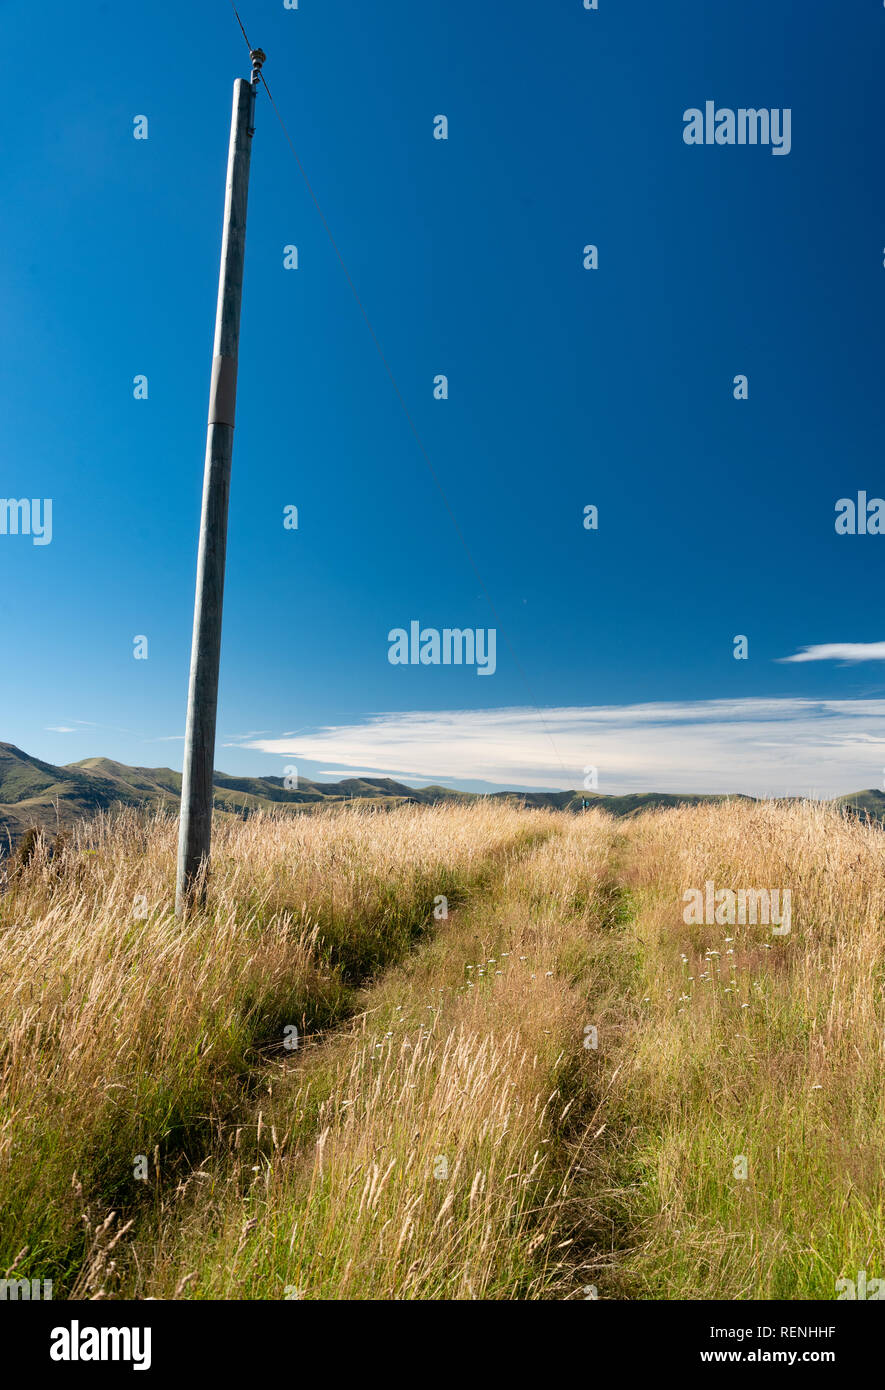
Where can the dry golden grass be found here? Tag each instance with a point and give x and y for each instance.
(124, 1030)
(422, 1154)
(443, 1131)
(745, 1043)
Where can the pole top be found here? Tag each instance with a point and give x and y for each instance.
(258, 56)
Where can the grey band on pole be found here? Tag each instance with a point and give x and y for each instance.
(223, 394)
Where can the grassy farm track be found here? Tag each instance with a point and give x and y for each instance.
(523, 1070)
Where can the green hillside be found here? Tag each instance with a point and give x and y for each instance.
(869, 805)
(37, 793)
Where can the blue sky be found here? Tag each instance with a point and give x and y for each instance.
(567, 387)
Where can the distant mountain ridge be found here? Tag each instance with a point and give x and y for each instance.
(36, 793)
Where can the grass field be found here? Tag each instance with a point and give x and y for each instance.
(519, 1072)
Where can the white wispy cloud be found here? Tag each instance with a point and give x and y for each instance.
(79, 726)
(840, 651)
(765, 747)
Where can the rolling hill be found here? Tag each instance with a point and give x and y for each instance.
(37, 793)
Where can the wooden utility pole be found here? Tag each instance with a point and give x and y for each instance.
(195, 828)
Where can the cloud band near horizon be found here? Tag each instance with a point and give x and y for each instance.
(763, 747)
